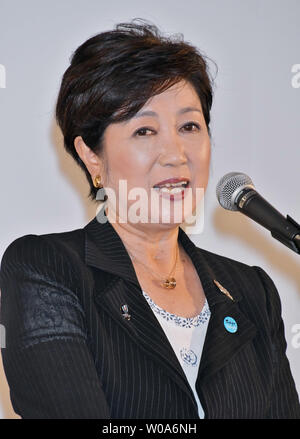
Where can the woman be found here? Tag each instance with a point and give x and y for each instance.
(111, 320)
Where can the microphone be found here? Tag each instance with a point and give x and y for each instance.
(236, 191)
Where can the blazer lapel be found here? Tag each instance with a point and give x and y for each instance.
(117, 285)
(220, 345)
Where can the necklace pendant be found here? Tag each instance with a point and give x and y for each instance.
(169, 283)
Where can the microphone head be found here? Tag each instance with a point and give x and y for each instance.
(230, 186)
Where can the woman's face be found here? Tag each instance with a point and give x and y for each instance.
(166, 139)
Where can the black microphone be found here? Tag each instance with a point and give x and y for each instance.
(236, 191)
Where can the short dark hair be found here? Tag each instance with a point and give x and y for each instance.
(114, 73)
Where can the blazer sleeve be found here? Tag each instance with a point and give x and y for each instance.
(285, 400)
(47, 362)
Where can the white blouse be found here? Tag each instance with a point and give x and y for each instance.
(186, 335)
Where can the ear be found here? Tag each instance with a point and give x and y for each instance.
(91, 160)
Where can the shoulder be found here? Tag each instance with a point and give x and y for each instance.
(70, 242)
(43, 280)
(251, 282)
(57, 252)
(221, 263)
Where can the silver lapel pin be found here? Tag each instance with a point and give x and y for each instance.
(223, 290)
(124, 309)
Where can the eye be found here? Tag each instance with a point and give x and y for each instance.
(191, 126)
(141, 132)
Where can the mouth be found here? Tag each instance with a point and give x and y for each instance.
(172, 186)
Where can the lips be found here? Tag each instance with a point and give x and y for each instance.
(173, 188)
(172, 181)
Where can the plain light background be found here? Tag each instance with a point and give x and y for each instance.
(255, 123)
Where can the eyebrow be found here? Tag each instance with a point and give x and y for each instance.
(153, 113)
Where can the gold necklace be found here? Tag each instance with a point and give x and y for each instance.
(168, 282)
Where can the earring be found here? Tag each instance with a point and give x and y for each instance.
(97, 182)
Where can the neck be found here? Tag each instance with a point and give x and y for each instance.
(152, 244)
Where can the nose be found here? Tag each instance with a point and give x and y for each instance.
(172, 151)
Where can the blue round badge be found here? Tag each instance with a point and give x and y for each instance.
(230, 324)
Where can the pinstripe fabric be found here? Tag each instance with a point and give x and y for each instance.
(70, 353)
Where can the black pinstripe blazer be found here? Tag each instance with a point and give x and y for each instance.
(71, 354)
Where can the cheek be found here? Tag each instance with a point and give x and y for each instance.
(131, 167)
(128, 159)
(121, 162)
(205, 153)
(201, 160)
